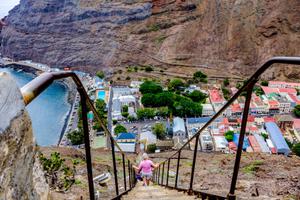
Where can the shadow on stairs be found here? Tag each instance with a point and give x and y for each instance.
(155, 192)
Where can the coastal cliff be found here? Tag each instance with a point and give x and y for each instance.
(20, 174)
(229, 35)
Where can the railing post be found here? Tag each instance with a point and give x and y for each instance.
(158, 176)
(124, 171)
(129, 174)
(231, 195)
(167, 183)
(177, 169)
(190, 191)
(114, 165)
(87, 143)
(162, 174)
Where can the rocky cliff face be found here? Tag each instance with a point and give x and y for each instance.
(20, 175)
(231, 35)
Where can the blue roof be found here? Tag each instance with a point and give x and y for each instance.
(277, 138)
(202, 120)
(126, 136)
(236, 141)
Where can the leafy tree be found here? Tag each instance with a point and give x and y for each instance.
(229, 136)
(258, 90)
(100, 107)
(296, 110)
(100, 74)
(199, 76)
(125, 108)
(148, 69)
(183, 107)
(145, 113)
(150, 87)
(128, 78)
(131, 118)
(226, 82)
(76, 137)
(151, 148)
(159, 130)
(114, 121)
(226, 93)
(264, 83)
(163, 112)
(296, 149)
(197, 96)
(175, 84)
(120, 129)
(136, 68)
(149, 100)
(125, 114)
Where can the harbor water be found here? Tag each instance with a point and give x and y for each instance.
(48, 111)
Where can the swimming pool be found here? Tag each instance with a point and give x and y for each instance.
(101, 94)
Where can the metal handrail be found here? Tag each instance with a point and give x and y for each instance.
(248, 87)
(32, 89)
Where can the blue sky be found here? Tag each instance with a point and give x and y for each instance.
(7, 5)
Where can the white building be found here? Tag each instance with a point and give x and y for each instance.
(136, 84)
(221, 143)
(207, 110)
(178, 127)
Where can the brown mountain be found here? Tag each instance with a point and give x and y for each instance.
(231, 35)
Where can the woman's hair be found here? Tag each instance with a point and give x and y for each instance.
(145, 156)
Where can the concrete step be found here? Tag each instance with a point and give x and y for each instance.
(155, 192)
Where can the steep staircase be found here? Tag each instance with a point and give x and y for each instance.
(155, 192)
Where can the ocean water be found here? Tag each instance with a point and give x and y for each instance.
(48, 111)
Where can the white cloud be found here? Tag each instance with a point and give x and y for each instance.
(7, 5)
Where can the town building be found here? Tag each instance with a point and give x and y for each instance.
(277, 138)
(127, 142)
(179, 128)
(207, 110)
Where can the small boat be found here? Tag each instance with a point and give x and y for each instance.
(103, 178)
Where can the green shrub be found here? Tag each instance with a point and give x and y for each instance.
(151, 148)
(120, 129)
(296, 149)
(100, 74)
(229, 136)
(76, 137)
(148, 69)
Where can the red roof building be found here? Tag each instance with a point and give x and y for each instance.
(254, 144)
(288, 90)
(269, 90)
(282, 84)
(216, 97)
(269, 119)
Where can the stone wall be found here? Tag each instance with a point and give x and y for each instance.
(20, 174)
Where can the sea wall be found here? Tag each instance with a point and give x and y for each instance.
(21, 176)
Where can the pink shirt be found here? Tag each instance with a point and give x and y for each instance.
(146, 166)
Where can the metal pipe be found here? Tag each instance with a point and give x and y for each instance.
(167, 183)
(177, 169)
(158, 176)
(241, 138)
(124, 171)
(129, 174)
(87, 145)
(114, 165)
(162, 176)
(194, 164)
